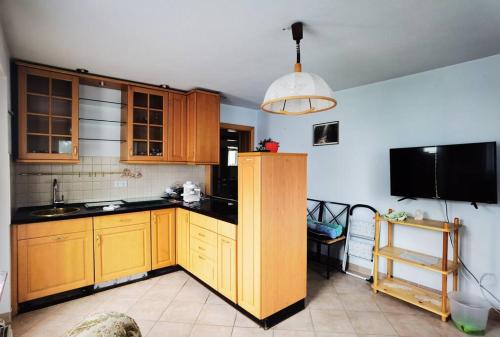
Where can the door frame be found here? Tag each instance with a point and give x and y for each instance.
(208, 168)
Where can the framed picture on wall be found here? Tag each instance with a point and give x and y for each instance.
(326, 133)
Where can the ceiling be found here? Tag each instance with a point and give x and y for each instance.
(238, 47)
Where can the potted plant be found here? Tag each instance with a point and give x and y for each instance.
(268, 145)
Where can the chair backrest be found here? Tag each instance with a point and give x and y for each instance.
(329, 211)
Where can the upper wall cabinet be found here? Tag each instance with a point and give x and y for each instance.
(177, 128)
(48, 116)
(145, 125)
(203, 122)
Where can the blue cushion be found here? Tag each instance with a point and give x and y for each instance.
(330, 229)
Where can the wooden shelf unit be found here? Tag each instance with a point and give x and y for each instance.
(436, 302)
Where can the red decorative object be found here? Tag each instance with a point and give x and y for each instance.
(272, 146)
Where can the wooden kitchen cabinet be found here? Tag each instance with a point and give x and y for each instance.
(272, 248)
(203, 125)
(182, 237)
(145, 125)
(163, 238)
(122, 245)
(177, 128)
(226, 267)
(53, 257)
(48, 116)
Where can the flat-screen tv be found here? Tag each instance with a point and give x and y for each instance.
(462, 172)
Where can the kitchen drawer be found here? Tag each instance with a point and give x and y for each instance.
(117, 220)
(42, 229)
(204, 268)
(227, 229)
(203, 248)
(203, 235)
(203, 221)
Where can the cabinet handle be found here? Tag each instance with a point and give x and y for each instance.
(201, 257)
(75, 150)
(98, 240)
(155, 219)
(201, 248)
(201, 234)
(60, 238)
(125, 220)
(130, 153)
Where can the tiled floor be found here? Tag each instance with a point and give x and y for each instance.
(175, 305)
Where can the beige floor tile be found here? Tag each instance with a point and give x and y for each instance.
(135, 290)
(414, 325)
(116, 304)
(182, 311)
(251, 332)
(178, 278)
(162, 291)
(325, 301)
(359, 301)
(193, 293)
(145, 326)
(200, 330)
(81, 307)
(370, 323)
(350, 284)
(23, 322)
(214, 299)
(147, 309)
(164, 329)
(293, 333)
(244, 322)
(390, 304)
(217, 314)
(300, 321)
(335, 334)
(328, 320)
(54, 325)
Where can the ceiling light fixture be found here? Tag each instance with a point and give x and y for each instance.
(298, 93)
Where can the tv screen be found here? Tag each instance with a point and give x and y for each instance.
(462, 172)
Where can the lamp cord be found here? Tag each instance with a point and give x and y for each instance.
(298, 51)
(468, 272)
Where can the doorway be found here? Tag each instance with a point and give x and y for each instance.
(223, 178)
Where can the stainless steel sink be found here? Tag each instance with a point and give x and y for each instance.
(56, 211)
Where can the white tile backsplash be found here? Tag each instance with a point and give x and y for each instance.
(92, 185)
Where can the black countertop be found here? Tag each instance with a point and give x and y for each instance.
(215, 208)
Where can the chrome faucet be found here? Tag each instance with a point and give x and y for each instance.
(55, 200)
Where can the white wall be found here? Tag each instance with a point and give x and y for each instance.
(4, 170)
(456, 104)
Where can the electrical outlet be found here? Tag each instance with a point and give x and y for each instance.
(120, 183)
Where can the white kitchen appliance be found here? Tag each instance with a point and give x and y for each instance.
(191, 192)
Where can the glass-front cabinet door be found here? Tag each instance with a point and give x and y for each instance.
(48, 116)
(146, 124)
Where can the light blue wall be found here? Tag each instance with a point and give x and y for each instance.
(455, 104)
(243, 116)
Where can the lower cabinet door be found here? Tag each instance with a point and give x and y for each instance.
(204, 268)
(53, 264)
(162, 238)
(182, 237)
(226, 266)
(122, 251)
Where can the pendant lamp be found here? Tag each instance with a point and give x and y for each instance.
(298, 93)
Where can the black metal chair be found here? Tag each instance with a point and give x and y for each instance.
(330, 212)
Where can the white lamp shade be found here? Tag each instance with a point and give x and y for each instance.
(298, 93)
